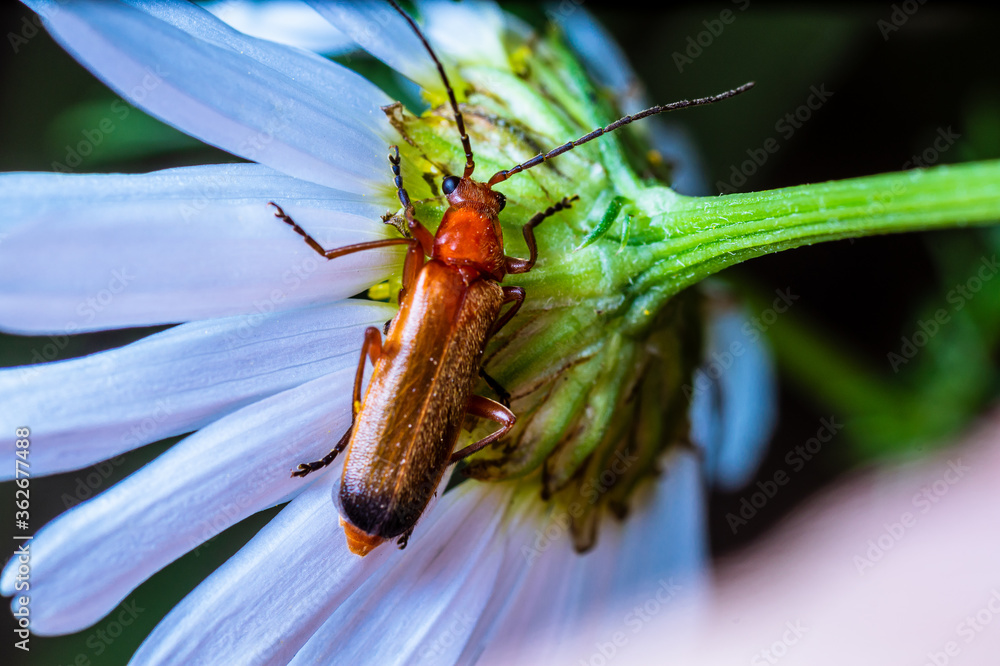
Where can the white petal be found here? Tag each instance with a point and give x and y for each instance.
(467, 33)
(349, 92)
(529, 613)
(662, 539)
(665, 532)
(134, 250)
(85, 410)
(520, 538)
(445, 640)
(705, 415)
(90, 558)
(733, 410)
(558, 600)
(27, 194)
(265, 596)
(379, 29)
(749, 409)
(650, 562)
(598, 576)
(284, 21)
(271, 597)
(289, 109)
(422, 610)
(462, 34)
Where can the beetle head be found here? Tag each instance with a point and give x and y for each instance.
(466, 192)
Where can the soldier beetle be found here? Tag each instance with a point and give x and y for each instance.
(403, 433)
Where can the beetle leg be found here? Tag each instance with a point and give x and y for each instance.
(501, 392)
(340, 251)
(411, 268)
(524, 265)
(417, 230)
(513, 295)
(487, 409)
(305, 468)
(372, 348)
(404, 538)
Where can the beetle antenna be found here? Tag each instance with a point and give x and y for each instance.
(470, 165)
(501, 176)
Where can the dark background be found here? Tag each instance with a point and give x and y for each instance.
(890, 98)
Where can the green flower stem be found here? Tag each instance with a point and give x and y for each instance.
(708, 234)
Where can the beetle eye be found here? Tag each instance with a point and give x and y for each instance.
(449, 184)
(503, 201)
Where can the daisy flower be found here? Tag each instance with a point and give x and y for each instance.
(263, 369)
(601, 362)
